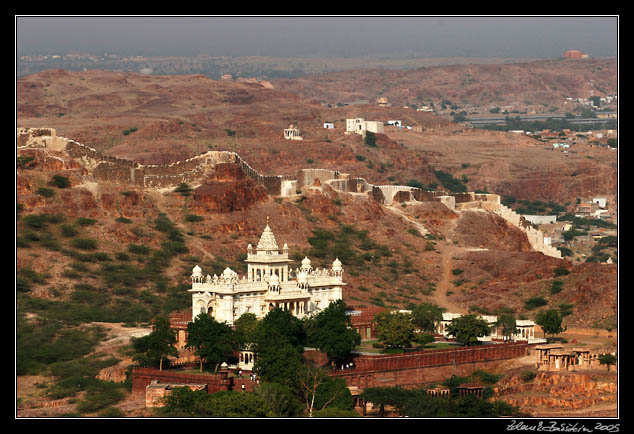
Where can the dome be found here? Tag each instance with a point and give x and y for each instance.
(197, 271)
(336, 265)
(267, 240)
(228, 273)
(306, 261)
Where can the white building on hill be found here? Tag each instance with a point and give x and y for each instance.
(270, 282)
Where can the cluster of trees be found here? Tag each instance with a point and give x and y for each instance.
(417, 403)
(398, 330)
(290, 385)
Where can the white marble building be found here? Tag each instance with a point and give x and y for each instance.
(270, 282)
(525, 328)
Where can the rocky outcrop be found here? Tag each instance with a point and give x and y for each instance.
(552, 391)
(227, 189)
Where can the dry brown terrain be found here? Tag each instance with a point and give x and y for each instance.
(532, 85)
(162, 119)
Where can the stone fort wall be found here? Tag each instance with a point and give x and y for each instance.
(112, 169)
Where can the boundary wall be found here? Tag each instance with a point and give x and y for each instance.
(424, 367)
(118, 170)
(142, 377)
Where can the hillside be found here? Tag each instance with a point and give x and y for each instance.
(112, 237)
(528, 86)
(162, 119)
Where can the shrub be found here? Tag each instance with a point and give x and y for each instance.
(84, 243)
(535, 302)
(139, 249)
(129, 130)
(84, 221)
(370, 139)
(561, 271)
(60, 181)
(193, 218)
(35, 221)
(68, 231)
(45, 192)
(123, 220)
(184, 189)
(556, 286)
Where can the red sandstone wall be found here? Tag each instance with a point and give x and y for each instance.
(416, 369)
(141, 378)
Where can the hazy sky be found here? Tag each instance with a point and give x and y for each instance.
(318, 36)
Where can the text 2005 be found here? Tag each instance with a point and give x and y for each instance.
(607, 428)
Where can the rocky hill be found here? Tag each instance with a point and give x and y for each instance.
(388, 260)
(162, 119)
(535, 85)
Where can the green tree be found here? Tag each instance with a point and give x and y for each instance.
(550, 321)
(507, 324)
(60, 181)
(607, 359)
(330, 331)
(281, 399)
(278, 362)
(281, 323)
(184, 402)
(212, 341)
(395, 329)
(468, 328)
(245, 328)
(154, 348)
(370, 139)
(383, 396)
(426, 315)
(279, 343)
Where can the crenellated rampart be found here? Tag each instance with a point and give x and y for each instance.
(117, 170)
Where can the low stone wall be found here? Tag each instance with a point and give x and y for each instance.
(142, 377)
(417, 369)
(117, 170)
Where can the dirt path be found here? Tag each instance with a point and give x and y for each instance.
(440, 296)
(448, 251)
(396, 210)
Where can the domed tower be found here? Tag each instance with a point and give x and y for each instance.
(306, 267)
(337, 269)
(197, 275)
(267, 258)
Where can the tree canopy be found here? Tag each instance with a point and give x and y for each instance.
(550, 321)
(426, 315)
(331, 333)
(184, 402)
(212, 341)
(468, 328)
(153, 349)
(507, 324)
(395, 329)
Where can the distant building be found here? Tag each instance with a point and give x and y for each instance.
(270, 282)
(360, 126)
(575, 54)
(329, 125)
(541, 219)
(292, 133)
(382, 101)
